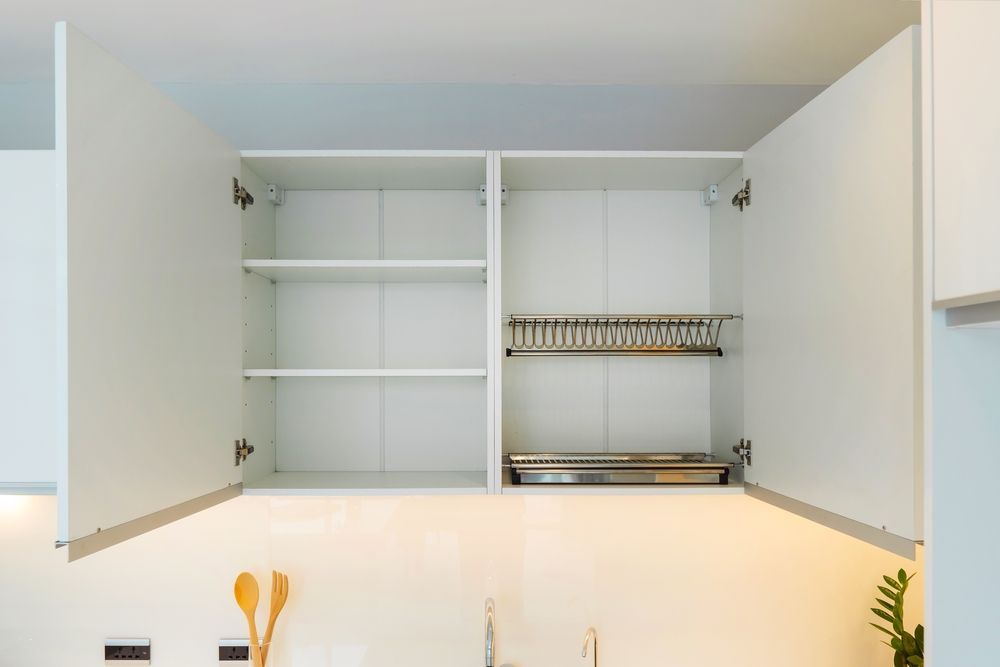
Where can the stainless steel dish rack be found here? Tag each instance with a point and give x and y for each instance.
(617, 469)
(616, 335)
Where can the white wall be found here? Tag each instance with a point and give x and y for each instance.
(28, 296)
(964, 505)
(275, 115)
(381, 582)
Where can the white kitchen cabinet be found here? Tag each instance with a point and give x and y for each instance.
(352, 329)
(963, 52)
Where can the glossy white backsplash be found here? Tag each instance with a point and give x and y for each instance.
(679, 581)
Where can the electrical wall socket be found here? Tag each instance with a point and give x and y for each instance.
(234, 650)
(135, 651)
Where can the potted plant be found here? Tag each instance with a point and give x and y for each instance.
(909, 648)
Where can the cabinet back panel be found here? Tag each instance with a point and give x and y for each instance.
(657, 252)
(553, 252)
(435, 424)
(328, 224)
(433, 224)
(435, 325)
(553, 404)
(394, 224)
(328, 325)
(328, 424)
(336, 325)
(605, 252)
(340, 424)
(658, 404)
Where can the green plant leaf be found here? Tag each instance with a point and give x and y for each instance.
(892, 582)
(909, 644)
(885, 630)
(896, 644)
(918, 634)
(897, 625)
(888, 592)
(884, 615)
(887, 605)
(915, 660)
(901, 576)
(899, 660)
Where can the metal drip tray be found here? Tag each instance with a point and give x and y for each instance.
(617, 469)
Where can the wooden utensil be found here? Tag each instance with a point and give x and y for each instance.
(247, 593)
(279, 595)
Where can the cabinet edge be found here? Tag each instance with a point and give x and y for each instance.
(896, 544)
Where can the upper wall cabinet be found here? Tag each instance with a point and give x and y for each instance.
(833, 303)
(149, 245)
(963, 54)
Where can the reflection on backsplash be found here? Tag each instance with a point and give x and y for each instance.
(689, 581)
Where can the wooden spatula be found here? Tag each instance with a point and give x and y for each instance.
(279, 595)
(247, 593)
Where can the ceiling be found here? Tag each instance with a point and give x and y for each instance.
(646, 42)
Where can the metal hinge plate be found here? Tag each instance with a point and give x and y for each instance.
(743, 451)
(240, 195)
(243, 450)
(742, 198)
(504, 195)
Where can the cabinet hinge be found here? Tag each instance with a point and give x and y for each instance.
(742, 197)
(243, 450)
(240, 195)
(743, 451)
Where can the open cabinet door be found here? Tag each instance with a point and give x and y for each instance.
(833, 304)
(150, 356)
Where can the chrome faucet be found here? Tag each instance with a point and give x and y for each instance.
(490, 618)
(591, 634)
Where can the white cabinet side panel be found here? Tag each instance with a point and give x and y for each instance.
(726, 296)
(258, 220)
(832, 300)
(153, 353)
(28, 257)
(966, 135)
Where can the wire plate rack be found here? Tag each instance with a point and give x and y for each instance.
(616, 335)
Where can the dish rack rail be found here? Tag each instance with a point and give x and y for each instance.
(616, 335)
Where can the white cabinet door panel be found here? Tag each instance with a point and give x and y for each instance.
(151, 314)
(966, 136)
(831, 299)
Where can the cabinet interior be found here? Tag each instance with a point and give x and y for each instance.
(365, 353)
(617, 235)
(368, 326)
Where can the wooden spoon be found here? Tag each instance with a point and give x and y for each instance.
(247, 594)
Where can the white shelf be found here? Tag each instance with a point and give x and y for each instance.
(370, 170)
(364, 372)
(369, 271)
(731, 489)
(368, 484)
(617, 170)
